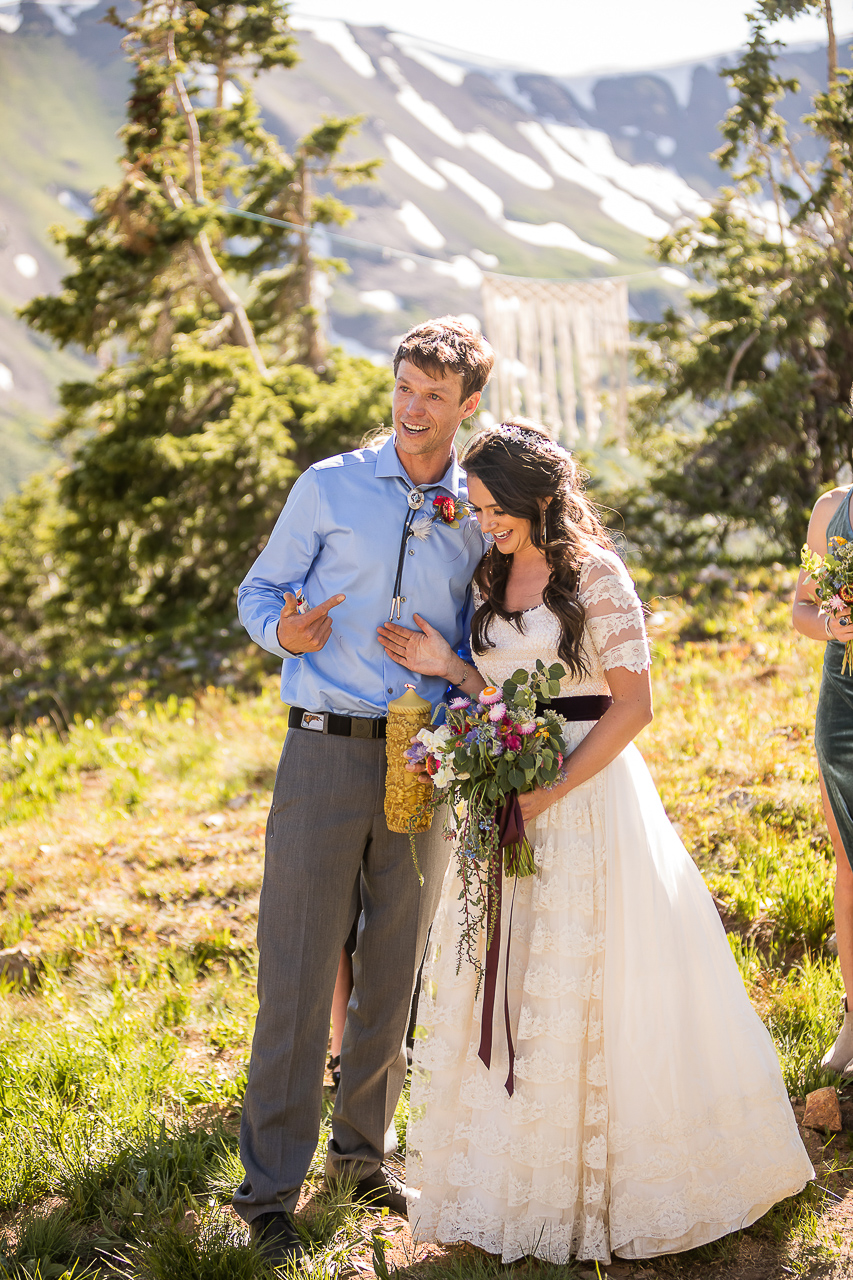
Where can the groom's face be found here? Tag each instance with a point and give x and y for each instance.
(428, 409)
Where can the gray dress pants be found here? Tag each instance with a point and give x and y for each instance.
(326, 837)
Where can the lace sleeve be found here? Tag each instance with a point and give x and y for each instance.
(614, 614)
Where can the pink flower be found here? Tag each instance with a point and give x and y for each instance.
(835, 605)
(513, 742)
(559, 759)
(489, 695)
(459, 704)
(497, 712)
(527, 729)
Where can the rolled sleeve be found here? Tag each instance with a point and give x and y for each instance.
(282, 565)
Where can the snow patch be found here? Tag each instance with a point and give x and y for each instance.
(380, 300)
(449, 72)
(656, 185)
(463, 270)
(564, 165)
(7, 382)
(488, 200)
(523, 168)
(679, 79)
(427, 113)
(614, 203)
(634, 214)
(333, 32)
(411, 163)
(665, 146)
(490, 261)
(673, 276)
(581, 89)
(556, 235)
(419, 226)
(26, 265)
(74, 204)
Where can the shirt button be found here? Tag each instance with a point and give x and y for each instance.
(402, 599)
(411, 553)
(390, 690)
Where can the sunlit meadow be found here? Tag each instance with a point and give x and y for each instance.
(131, 859)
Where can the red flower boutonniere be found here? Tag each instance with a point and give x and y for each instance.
(450, 511)
(447, 511)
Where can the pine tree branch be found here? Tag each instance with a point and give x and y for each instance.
(217, 284)
(193, 134)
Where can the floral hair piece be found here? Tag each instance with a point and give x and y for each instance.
(530, 439)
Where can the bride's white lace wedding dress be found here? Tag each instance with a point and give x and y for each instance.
(649, 1113)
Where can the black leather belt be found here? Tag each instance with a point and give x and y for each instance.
(341, 726)
(586, 706)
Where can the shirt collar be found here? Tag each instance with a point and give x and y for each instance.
(388, 465)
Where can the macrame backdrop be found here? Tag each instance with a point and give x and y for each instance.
(561, 352)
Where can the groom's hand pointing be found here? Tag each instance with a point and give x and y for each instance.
(305, 632)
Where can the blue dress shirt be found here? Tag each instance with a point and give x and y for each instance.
(340, 532)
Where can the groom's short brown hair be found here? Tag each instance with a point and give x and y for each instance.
(438, 345)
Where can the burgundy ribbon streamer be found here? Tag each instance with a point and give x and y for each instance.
(510, 832)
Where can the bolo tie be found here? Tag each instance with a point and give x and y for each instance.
(415, 499)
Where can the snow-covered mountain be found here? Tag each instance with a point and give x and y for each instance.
(486, 167)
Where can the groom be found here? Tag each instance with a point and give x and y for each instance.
(341, 542)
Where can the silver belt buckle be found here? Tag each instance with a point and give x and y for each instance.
(311, 720)
(360, 727)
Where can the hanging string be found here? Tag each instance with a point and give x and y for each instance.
(387, 252)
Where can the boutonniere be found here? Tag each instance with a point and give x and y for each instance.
(447, 511)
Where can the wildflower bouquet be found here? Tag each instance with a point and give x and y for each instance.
(487, 752)
(832, 576)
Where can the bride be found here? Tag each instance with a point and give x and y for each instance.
(648, 1113)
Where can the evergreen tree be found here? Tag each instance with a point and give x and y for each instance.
(745, 415)
(213, 385)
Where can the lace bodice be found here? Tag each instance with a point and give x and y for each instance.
(614, 635)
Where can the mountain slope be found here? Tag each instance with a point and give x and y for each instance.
(484, 167)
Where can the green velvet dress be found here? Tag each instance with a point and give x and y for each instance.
(834, 722)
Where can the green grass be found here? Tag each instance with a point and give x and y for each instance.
(130, 864)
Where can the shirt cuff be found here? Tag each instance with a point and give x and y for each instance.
(270, 641)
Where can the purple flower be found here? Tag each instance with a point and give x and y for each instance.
(513, 742)
(416, 753)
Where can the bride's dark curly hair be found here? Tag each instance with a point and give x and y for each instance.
(522, 468)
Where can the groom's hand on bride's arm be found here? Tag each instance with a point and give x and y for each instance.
(425, 651)
(305, 632)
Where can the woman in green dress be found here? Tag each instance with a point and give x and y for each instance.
(833, 518)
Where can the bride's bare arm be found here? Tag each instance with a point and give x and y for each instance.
(806, 618)
(427, 652)
(631, 711)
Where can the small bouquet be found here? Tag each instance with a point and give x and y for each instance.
(832, 576)
(486, 753)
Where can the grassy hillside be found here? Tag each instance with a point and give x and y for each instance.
(132, 859)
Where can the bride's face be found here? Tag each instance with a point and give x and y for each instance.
(511, 533)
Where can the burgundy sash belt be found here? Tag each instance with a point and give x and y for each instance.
(511, 832)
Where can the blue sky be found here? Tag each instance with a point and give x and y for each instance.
(576, 37)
